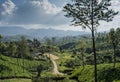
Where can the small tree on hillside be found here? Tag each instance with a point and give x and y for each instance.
(12, 49)
(88, 13)
(2, 46)
(40, 68)
(36, 44)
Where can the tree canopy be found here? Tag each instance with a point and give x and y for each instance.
(82, 12)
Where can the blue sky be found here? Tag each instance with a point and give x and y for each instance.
(44, 14)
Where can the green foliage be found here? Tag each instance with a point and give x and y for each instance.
(83, 49)
(82, 12)
(36, 43)
(87, 14)
(41, 67)
(83, 75)
(114, 37)
(109, 74)
(106, 73)
(11, 49)
(3, 48)
(72, 63)
(23, 49)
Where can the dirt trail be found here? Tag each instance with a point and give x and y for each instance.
(53, 58)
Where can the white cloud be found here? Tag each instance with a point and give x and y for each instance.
(105, 26)
(115, 5)
(36, 12)
(48, 7)
(115, 2)
(7, 8)
(44, 14)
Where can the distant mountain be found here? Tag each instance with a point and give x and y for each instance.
(38, 33)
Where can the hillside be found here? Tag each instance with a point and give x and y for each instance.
(11, 68)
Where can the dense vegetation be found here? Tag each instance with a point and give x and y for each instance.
(26, 60)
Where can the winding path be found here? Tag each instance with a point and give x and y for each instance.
(53, 58)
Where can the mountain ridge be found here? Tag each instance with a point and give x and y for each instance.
(41, 33)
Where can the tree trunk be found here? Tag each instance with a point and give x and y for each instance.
(95, 61)
(83, 60)
(17, 62)
(94, 49)
(23, 65)
(114, 62)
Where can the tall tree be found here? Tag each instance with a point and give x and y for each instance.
(23, 49)
(88, 13)
(82, 50)
(114, 40)
(49, 44)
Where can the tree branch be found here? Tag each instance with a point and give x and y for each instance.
(79, 18)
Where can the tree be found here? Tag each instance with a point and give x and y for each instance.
(36, 43)
(114, 40)
(118, 33)
(0, 37)
(40, 68)
(53, 41)
(2, 46)
(23, 49)
(88, 13)
(82, 50)
(49, 44)
(12, 49)
(42, 49)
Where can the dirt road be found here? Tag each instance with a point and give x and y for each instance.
(53, 58)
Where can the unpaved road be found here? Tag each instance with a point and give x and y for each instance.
(53, 58)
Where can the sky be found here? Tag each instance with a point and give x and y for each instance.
(34, 14)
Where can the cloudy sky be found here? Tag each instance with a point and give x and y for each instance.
(44, 14)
